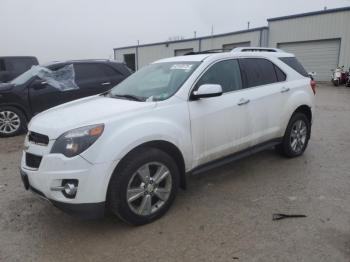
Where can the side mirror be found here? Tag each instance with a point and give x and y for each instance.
(39, 84)
(207, 90)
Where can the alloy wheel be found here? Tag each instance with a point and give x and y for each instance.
(149, 188)
(9, 122)
(298, 136)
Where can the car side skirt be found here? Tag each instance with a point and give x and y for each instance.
(236, 156)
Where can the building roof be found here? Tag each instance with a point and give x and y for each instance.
(327, 11)
(193, 39)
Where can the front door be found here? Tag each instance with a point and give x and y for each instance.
(219, 124)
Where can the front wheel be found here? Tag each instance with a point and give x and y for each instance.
(12, 121)
(296, 137)
(144, 186)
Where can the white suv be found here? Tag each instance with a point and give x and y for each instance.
(129, 150)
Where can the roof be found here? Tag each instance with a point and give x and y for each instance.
(327, 11)
(194, 39)
(214, 56)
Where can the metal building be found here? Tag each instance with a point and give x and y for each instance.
(320, 40)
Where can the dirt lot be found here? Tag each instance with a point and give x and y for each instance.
(225, 215)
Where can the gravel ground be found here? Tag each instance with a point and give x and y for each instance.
(225, 215)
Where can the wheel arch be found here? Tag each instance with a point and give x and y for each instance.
(22, 109)
(167, 147)
(306, 110)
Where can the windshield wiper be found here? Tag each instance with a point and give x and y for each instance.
(130, 97)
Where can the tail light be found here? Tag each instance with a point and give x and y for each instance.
(313, 86)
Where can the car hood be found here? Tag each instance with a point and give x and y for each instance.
(84, 112)
(5, 87)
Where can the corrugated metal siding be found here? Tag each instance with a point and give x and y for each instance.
(317, 27)
(218, 42)
(316, 56)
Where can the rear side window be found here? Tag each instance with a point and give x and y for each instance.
(84, 72)
(225, 73)
(258, 71)
(295, 64)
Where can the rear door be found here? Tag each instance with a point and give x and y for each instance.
(95, 78)
(266, 89)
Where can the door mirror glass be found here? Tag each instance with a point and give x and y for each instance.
(207, 90)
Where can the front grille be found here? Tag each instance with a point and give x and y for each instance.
(33, 161)
(37, 138)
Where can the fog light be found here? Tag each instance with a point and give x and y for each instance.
(70, 189)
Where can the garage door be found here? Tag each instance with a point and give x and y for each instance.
(316, 56)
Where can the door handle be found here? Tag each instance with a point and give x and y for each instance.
(243, 101)
(285, 89)
(105, 83)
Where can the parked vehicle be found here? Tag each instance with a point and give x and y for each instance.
(28, 94)
(13, 66)
(338, 76)
(347, 82)
(129, 150)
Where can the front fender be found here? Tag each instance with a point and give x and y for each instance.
(118, 141)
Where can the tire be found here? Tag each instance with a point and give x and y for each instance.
(12, 121)
(335, 82)
(347, 83)
(295, 140)
(129, 181)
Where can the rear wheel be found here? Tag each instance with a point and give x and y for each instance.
(12, 121)
(296, 137)
(144, 186)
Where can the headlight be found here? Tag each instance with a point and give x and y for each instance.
(76, 141)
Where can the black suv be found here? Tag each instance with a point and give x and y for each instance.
(13, 66)
(28, 94)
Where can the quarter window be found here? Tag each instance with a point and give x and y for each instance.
(280, 75)
(225, 73)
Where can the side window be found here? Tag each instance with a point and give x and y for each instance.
(2, 65)
(225, 73)
(280, 75)
(90, 73)
(258, 71)
(295, 64)
(110, 72)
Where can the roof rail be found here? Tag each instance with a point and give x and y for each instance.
(256, 49)
(210, 51)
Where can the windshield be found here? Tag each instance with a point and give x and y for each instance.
(23, 78)
(155, 82)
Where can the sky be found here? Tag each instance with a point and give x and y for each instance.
(56, 30)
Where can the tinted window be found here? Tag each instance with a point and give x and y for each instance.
(258, 71)
(280, 75)
(294, 63)
(2, 65)
(109, 71)
(20, 65)
(90, 72)
(225, 73)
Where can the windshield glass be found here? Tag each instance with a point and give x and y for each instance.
(23, 78)
(155, 82)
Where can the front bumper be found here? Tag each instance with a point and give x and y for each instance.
(89, 201)
(84, 211)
